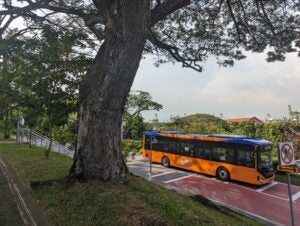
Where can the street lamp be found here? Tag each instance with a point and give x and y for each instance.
(20, 122)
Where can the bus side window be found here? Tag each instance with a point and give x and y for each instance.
(230, 155)
(202, 153)
(245, 158)
(197, 153)
(147, 142)
(219, 153)
(161, 145)
(186, 148)
(173, 147)
(207, 154)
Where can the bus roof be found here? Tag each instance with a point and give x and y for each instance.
(237, 139)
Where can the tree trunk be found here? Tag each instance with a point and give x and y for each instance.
(48, 150)
(6, 129)
(104, 90)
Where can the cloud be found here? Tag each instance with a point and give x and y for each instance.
(251, 87)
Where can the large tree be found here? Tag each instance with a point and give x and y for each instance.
(187, 31)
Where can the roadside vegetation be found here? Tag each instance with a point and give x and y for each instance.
(282, 177)
(132, 202)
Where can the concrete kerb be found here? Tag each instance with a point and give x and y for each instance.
(29, 212)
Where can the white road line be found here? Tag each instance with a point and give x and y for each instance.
(296, 196)
(274, 196)
(161, 174)
(180, 178)
(267, 186)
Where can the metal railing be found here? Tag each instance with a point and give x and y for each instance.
(34, 138)
(294, 131)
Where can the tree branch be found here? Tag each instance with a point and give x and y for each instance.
(91, 18)
(162, 10)
(236, 24)
(264, 17)
(174, 52)
(13, 10)
(5, 26)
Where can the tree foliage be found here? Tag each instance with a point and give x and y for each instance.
(186, 31)
(137, 102)
(208, 124)
(197, 123)
(43, 76)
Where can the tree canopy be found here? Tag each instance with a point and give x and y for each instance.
(186, 31)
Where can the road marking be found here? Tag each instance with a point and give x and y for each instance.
(180, 178)
(274, 196)
(267, 186)
(161, 174)
(296, 196)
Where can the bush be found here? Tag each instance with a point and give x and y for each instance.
(130, 148)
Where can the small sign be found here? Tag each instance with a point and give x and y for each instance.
(286, 153)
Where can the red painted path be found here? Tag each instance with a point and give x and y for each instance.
(269, 203)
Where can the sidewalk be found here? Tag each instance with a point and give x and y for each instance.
(9, 214)
(17, 208)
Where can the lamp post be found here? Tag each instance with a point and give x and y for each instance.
(291, 199)
(18, 128)
(150, 172)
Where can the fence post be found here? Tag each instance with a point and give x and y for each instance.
(30, 138)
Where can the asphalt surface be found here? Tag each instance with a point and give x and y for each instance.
(268, 203)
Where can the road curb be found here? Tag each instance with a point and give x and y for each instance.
(29, 213)
(248, 214)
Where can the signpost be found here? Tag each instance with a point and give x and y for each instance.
(287, 164)
(153, 140)
(286, 153)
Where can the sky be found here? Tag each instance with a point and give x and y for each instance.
(252, 87)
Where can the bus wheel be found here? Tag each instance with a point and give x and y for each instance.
(165, 161)
(223, 174)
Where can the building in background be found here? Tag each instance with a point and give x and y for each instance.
(240, 120)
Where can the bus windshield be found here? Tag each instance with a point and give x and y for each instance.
(265, 160)
(265, 157)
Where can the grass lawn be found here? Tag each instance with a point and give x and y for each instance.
(134, 202)
(282, 177)
(2, 138)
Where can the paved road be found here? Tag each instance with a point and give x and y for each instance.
(269, 203)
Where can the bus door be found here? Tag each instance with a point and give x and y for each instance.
(245, 169)
(185, 155)
(203, 159)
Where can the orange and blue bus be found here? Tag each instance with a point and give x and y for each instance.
(228, 157)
